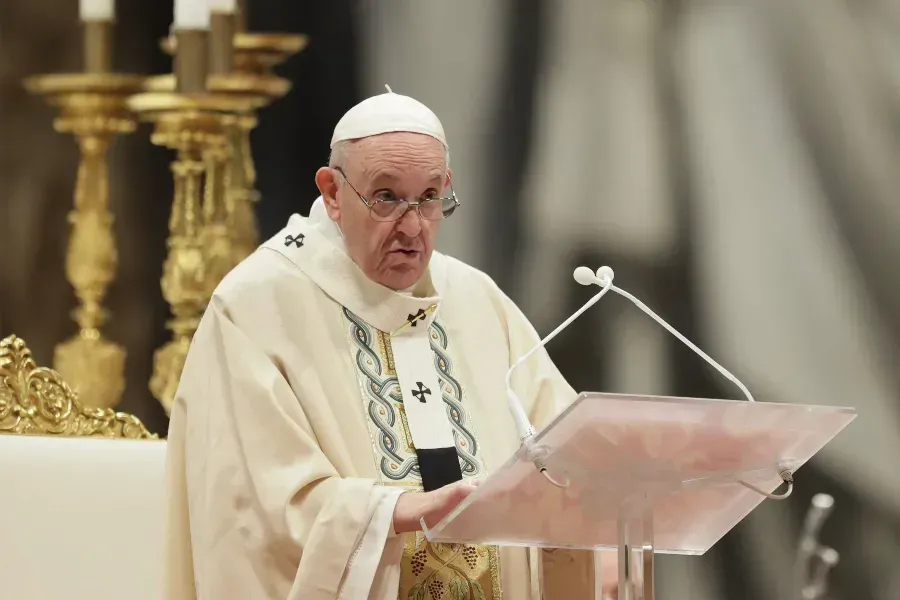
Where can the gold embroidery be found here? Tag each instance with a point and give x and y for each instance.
(403, 484)
(406, 434)
(388, 353)
(449, 571)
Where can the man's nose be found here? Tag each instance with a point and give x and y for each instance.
(410, 223)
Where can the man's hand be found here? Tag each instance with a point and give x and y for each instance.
(433, 506)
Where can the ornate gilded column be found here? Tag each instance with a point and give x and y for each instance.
(191, 119)
(93, 108)
(192, 127)
(251, 77)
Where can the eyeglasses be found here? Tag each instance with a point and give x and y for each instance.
(392, 209)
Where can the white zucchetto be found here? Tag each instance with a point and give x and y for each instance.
(388, 113)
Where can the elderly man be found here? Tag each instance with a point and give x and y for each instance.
(346, 381)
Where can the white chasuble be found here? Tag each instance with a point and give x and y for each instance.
(312, 397)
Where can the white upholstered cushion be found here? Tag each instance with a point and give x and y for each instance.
(80, 518)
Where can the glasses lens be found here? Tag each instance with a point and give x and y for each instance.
(448, 206)
(389, 210)
(432, 209)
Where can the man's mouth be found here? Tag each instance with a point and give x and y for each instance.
(405, 252)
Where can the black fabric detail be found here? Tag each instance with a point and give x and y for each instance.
(297, 240)
(413, 319)
(421, 392)
(438, 467)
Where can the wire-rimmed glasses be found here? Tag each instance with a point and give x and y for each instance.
(393, 209)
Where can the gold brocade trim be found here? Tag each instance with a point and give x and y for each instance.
(406, 432)
(494, 555)
(388, 352)
(449, 571)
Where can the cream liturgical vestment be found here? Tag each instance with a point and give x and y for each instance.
(312, 397)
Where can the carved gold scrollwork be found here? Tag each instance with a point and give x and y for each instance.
(37, 400)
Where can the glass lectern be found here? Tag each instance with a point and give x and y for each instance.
(641, 474)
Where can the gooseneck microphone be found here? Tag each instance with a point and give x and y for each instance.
(603, 278)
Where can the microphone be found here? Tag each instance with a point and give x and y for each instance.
(524, 428)
(822, 504)
(813, 560)
(604, 278)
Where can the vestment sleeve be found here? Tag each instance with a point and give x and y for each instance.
(253, 502)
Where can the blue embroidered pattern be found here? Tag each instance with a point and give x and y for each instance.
(383, 400)
(451, 391)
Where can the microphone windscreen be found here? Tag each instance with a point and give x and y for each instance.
(584, 276)
(605, 275)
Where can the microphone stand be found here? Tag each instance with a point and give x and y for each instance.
(603, 278)
(815, 561)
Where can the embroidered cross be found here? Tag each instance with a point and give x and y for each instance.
(421, 392)
(297, 240)
(413, 319)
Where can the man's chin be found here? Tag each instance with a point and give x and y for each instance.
(402, 277)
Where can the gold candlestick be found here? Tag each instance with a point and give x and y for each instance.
(254, 58)
(93, 108)
(193, 126)
(256, 55)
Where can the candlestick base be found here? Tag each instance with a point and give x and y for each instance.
(93, 108)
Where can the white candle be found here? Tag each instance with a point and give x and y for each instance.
(191, 14)
(223, 6)
(97, 10)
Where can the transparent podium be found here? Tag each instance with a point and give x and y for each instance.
(642, 474)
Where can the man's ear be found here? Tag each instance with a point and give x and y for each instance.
(327, 182)
(448, 178)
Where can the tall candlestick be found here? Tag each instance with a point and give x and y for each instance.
(97, 10)
(92, 108)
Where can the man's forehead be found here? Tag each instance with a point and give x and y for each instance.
(401, 140)
(392, 175)
(394, 156)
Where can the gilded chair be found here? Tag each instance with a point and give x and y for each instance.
(81, 491)
(36, 400)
